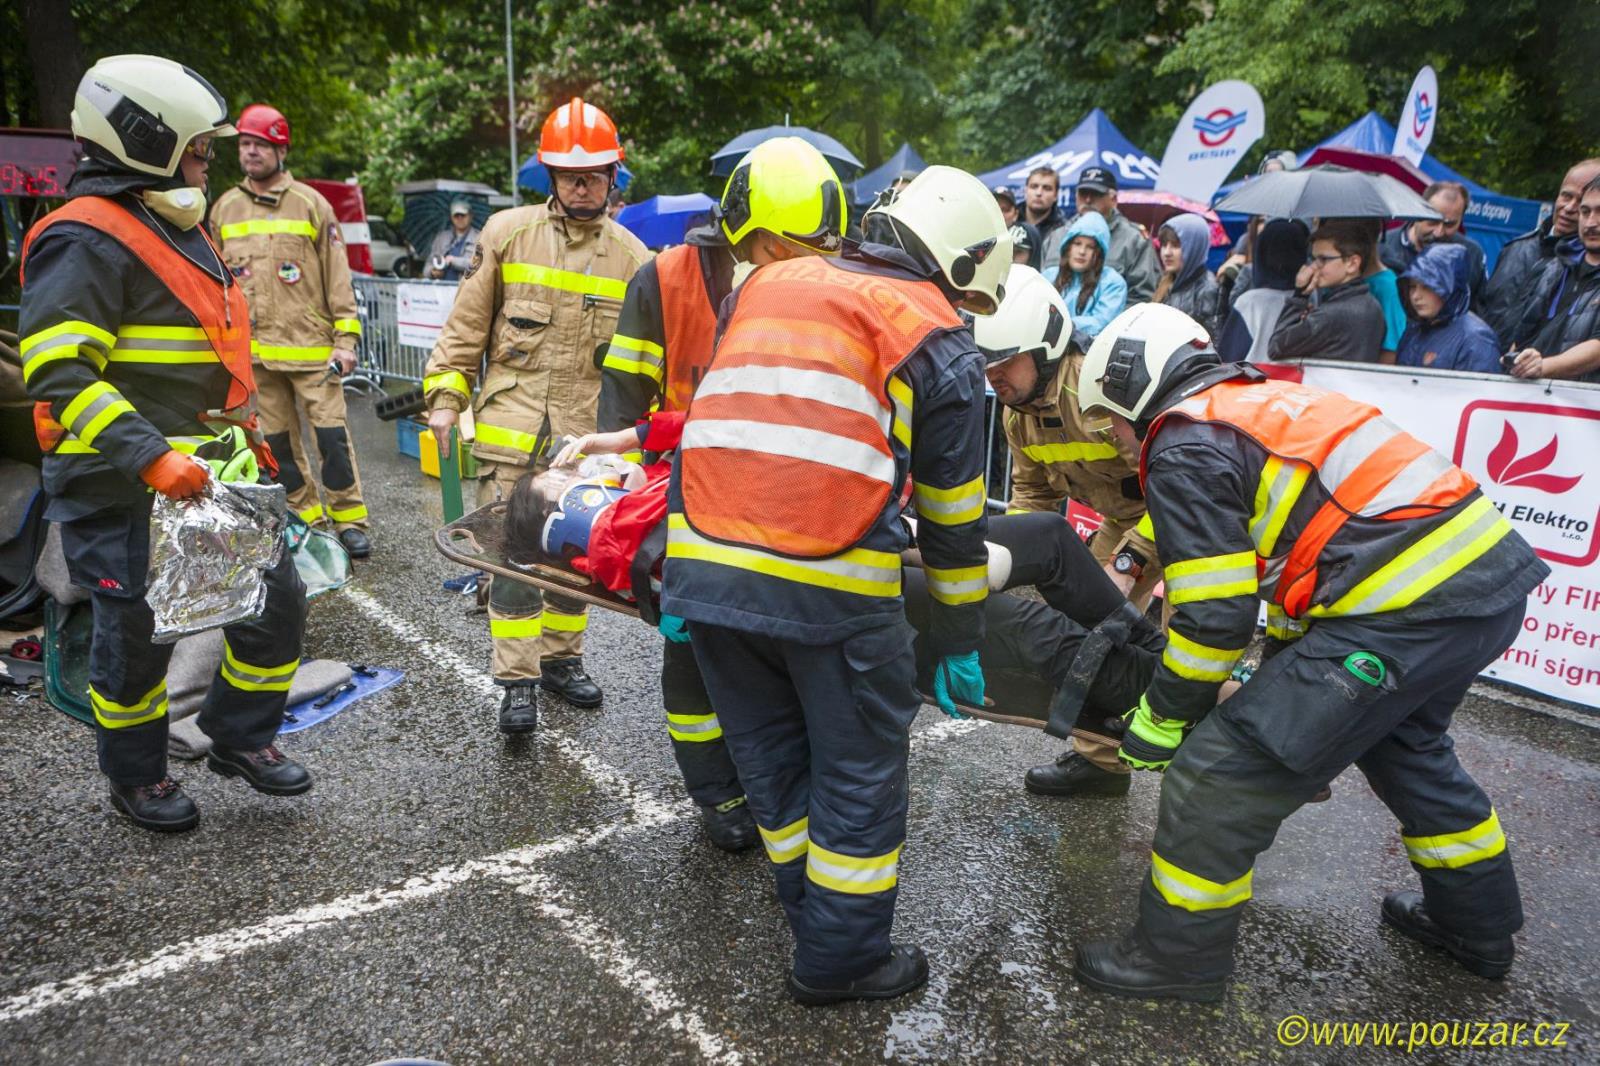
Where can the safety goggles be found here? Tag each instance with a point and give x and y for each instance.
(573, 180)
(202, 148)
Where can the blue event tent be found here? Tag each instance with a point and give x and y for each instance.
(1491, 219)
(870, 184)
(1093, 142)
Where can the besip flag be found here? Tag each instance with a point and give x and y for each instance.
(1421, 114)
(1211, 138)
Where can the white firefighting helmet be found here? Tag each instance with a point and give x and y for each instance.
(140, 112)
(1137, 356)
(1032, 321)
(952, 216)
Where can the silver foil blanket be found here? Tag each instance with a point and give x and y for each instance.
(207, 555)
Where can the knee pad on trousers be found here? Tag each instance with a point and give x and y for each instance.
(338, 470)
(515, 598)
(288, 470)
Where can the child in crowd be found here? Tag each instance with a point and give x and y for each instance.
(1332, 315)
(1094, 292)
(1444, 333)
(1185, 282)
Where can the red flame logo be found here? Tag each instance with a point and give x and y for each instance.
(1508, 468)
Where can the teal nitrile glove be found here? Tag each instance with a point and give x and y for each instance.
(1151, 741)
(958, 677)
(674, 628)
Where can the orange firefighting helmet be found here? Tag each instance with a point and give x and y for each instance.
(579, 135)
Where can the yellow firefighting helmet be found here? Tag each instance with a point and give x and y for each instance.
(786, 187)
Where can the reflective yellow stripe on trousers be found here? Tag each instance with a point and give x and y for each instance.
(694, 728)
(857, 875)
(1452, 851)
(252, 678)
(786, 843)
(113, 715)
(1192, 892)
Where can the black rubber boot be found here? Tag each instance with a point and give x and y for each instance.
(519, 708)
(905, 971)
(1073, 775)
(565, 677)
(268, 770)
(730, 825)
(163, 806)
(357, 543)
(1490, 958)
(1122, 968)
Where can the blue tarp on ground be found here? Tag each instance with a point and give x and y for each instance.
(870, 184)
(1492, 219)
(1093, 142)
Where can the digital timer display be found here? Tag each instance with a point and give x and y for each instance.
(36, 163)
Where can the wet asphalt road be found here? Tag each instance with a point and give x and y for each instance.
(445, 893)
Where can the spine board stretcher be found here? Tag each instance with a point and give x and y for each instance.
(477, 539)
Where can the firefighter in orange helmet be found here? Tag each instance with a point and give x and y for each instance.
(542, 297)
(282, 243)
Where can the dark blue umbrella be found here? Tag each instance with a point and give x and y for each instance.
(532, 175)
(845, 164)
(663, 220)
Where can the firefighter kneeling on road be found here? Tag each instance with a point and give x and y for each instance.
(834, 380)
(541, 298)
(1390, 582)
(782, 200)
(136, 347)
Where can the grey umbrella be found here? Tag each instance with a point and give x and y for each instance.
(845, 164)
(1326, 192)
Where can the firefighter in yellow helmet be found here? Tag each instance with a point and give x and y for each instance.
(541, 297)
(782, 200)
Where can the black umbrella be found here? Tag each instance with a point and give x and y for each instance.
(844, 163)
(1326, 192)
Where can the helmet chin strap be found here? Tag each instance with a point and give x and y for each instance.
(574, 213)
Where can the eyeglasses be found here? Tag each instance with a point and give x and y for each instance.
(572, 179)
(202, 148)
(1318, 259)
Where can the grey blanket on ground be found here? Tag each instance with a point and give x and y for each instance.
(194, 663)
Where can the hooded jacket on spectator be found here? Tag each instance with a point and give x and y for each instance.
(1279, 253)
(1194, 290)
(1110, 295)
(1455, 339)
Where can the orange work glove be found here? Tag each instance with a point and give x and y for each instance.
(176, 475)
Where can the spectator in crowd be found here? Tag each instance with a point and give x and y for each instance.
(1234, 275)
(1131, 254)
(1384, 285)
(1332, 315)
(1280, 252)
(1516, 272)
(1563, 324)
(1042, 208)
(1403, 244)
(1006, 200)
(1093, 290)
(1185, 282)
(452, 249)
(1444, 333)
(615, 203)
(1025, 244)
(904, 178)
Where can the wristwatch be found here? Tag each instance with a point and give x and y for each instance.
(1128, 562)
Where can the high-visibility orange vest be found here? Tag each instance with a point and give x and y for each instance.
(690, 323)
(787, 445)
(1367, 465)
(219, 309)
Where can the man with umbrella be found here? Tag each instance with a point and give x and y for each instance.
(782, 201)
(541, 296)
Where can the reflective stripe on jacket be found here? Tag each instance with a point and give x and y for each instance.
(286, 250)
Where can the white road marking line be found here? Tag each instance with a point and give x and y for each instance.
(613, 957)
(1533, 703)
(949, 727)
(218, 946)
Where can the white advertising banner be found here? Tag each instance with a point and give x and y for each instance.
(1418, 118)
(1532, 447)
(420, 311)
(1211, 138)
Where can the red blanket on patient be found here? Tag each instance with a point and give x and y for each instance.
(623, 526)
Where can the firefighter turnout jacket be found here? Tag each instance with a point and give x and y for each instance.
(542, 297)
(1058, 452)
(1318, 505)
(833, 381)
(668, 326)
(285, 248)
(133, 337)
